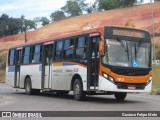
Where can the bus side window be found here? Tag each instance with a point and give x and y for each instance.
(58, 51)
(11, 58)
(32, 54)
(68, 49)
(26, 55)
(37, 54)
(80, 52)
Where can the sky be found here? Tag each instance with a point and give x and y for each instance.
(33, 8)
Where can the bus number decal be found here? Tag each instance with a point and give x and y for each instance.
(76, 69)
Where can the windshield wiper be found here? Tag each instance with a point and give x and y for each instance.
(123, 46)
(138, 46)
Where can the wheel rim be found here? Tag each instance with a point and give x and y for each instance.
(28, 87)
(77, 90)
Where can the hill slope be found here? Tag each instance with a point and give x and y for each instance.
(137, 16)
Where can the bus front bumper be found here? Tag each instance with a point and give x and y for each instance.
(106, 85)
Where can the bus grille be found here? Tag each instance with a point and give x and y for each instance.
(129, 71)
(125, 86)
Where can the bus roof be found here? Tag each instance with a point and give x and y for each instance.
(69, 34)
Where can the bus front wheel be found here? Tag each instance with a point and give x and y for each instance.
(120, 95)
(78, 90)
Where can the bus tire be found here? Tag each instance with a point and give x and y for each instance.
(120, 95)
(78, 90)
(28, 87)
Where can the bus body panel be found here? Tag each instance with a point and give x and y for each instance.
(9, 77)
(62, 74)
(48, 77)
(34, 71)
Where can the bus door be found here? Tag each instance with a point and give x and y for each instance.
(18, 56)
(93, 64)
(47, 64)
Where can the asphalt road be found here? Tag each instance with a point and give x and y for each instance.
(16, 100)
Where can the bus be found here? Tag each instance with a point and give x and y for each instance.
(108, 60)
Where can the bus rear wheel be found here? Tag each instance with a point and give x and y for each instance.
(28, 87)
(78, 90)
(120, 95)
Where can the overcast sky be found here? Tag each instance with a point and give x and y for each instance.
(32, 8)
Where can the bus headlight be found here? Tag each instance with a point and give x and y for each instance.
(109, 78)
(105, 75)
(149, 80)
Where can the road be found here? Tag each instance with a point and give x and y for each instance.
(16, 100)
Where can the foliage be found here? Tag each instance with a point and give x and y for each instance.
(112, 4)
(57, 15)
(44, 21)
(41, 20)
(2, 75)
(157, 48)
(156, 82)
(74, 7)
(11, 26)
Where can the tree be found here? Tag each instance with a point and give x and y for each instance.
(11, 26)
(74, 7)
(44, 21)
(125, 3)
(57, 15)
(108, 4)
(112, 4)
(30, 24)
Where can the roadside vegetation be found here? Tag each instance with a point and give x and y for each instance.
(2, 75)
(156, 80)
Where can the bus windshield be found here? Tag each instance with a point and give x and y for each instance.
(127, 53)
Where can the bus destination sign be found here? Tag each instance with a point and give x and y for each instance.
(129, 33)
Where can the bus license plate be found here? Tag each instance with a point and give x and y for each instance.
(131, 87)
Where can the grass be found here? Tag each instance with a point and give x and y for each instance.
(2, 75)
(156, 80)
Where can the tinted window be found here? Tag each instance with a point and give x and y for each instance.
(58, 51)
(59, 46)
(68, 49)
(26, 56)
(66, 44)
(37, 54)
(80, 48)
(81, 42)
(11, 57)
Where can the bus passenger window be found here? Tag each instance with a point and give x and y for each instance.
(68, 49)
(58, 51)
(11, 57)
(37, 54)
(26, 56)
(80, 48)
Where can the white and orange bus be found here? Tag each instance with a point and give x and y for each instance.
(105, 60)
